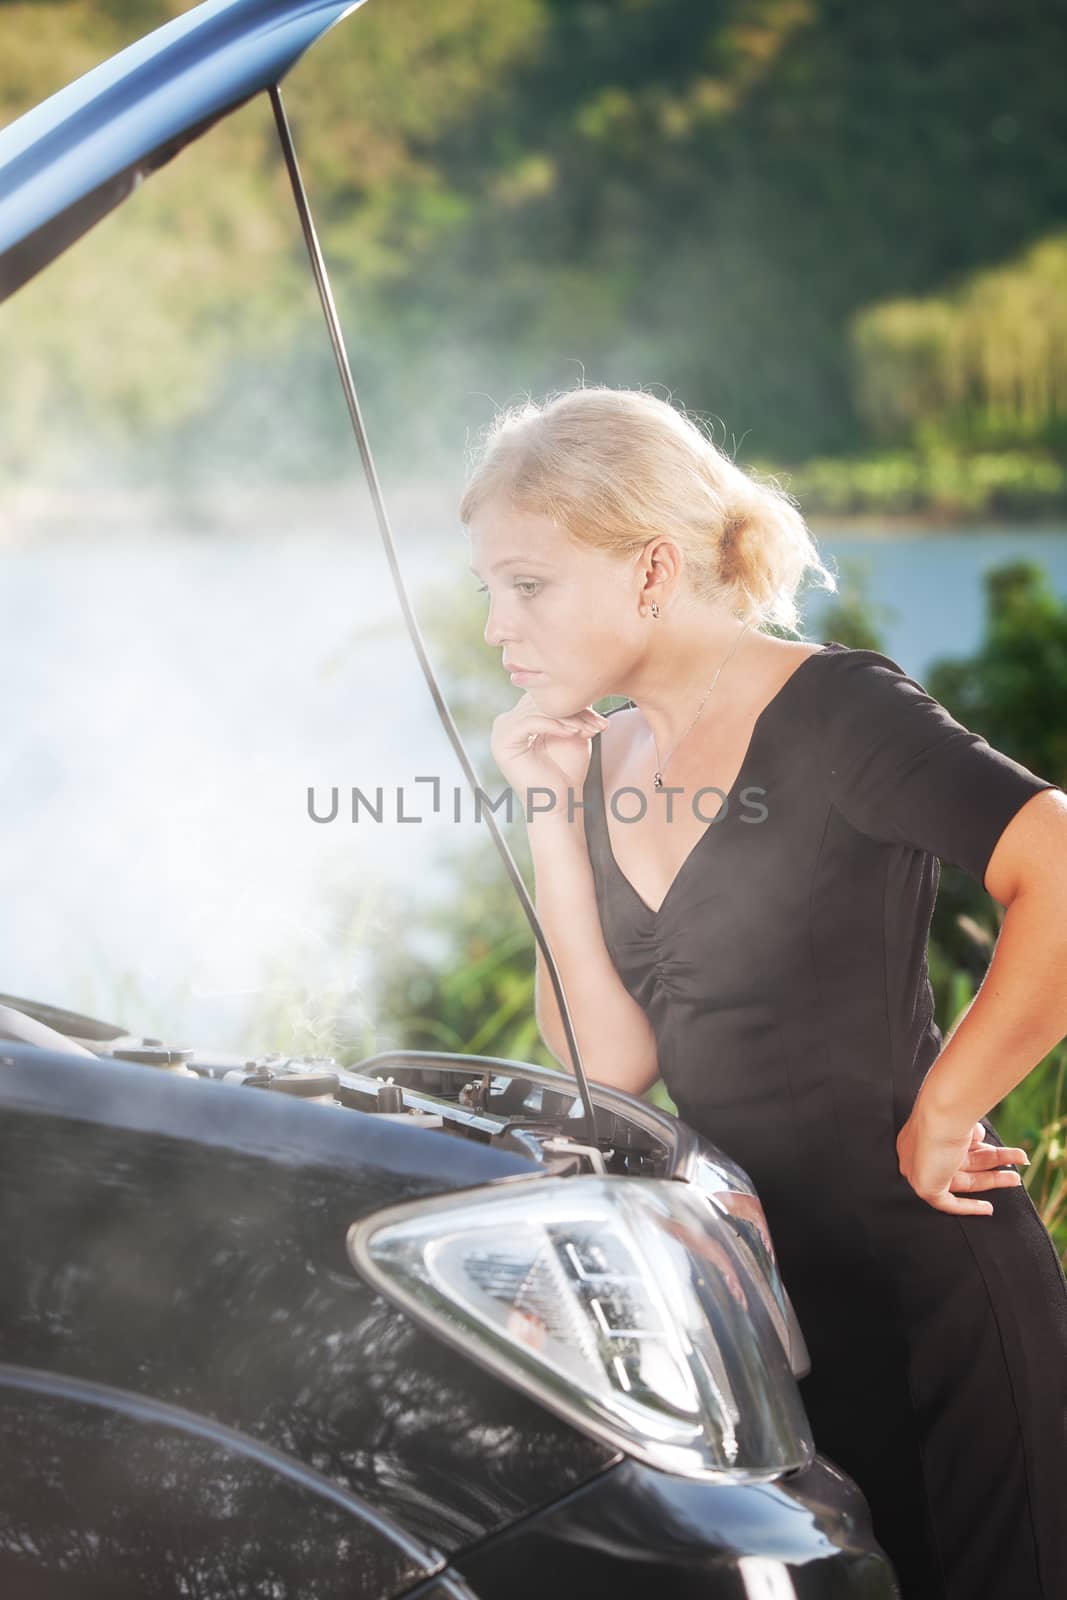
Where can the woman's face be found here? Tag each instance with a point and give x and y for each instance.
(565, 611)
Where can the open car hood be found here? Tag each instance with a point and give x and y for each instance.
(77, 155)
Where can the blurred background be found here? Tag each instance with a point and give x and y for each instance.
(838, 234)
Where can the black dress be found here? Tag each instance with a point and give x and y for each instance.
(785, 978)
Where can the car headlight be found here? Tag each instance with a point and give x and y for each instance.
(728, 1188)
(625, 1306)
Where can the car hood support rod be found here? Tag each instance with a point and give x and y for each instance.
(337, 339)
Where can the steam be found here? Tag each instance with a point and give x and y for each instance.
(176, 697)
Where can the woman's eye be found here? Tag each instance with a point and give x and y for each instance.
(523, 584)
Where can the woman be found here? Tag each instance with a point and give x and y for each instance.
(739, 900)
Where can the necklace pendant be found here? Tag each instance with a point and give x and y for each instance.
(657, 781)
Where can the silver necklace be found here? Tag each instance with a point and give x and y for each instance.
(657, 781)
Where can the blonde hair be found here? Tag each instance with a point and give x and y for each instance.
(615, 467)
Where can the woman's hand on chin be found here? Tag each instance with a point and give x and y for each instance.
(534, 750)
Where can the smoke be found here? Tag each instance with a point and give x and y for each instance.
(171, 697)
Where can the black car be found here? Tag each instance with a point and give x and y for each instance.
(425, 1325)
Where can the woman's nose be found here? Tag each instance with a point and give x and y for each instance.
(495, 632)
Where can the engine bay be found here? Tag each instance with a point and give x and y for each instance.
(515, 1106)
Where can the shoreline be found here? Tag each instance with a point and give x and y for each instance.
(32, 513)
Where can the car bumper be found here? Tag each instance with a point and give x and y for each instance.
(804, 1537)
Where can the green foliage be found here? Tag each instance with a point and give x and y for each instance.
(987, 364)
(936, 481)
(1034, 1116)
(760, 203)
(1014, 689)
(479, 997)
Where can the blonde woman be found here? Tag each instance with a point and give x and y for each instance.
(739, 897)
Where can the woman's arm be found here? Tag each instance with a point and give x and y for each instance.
(1020, 1011)
(901, 769)
(613, 1032)
(1018, 1015)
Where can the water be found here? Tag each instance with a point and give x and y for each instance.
(934, 582)
(169, 701)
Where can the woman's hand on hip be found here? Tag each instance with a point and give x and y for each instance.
(945, 1166)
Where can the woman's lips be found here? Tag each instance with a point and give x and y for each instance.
(520, 674)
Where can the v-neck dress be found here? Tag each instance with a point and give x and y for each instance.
(785, 979)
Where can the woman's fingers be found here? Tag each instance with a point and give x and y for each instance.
(995, 1155)
(968, 1181)
(551, 727)
(578, 722)
(962, 1208)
